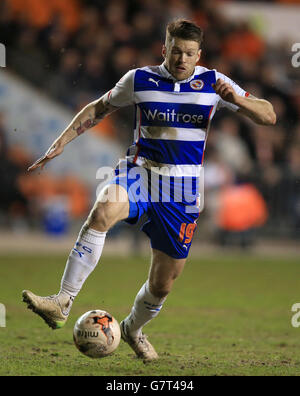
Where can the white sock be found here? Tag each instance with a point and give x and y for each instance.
(82, 260)
(146, 307)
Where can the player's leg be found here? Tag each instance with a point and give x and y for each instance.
(83, 257)
(149, 301)
(163, 272)
(89, 245)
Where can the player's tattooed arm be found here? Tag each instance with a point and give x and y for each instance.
(88, 117)
(103, 108)
(91, 115)
(258, 110)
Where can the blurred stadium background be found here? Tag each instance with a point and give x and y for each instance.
(60, 55)
(234, 299)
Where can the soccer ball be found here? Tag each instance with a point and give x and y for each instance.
(97, 334)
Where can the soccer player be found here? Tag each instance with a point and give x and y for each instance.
(174, 103)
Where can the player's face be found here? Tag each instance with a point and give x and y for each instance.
(181, 57)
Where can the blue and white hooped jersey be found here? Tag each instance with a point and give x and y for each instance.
(172, 118)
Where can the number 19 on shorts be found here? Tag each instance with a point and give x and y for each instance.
(187, 232)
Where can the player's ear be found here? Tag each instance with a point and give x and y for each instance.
(164, 51)
(199, 55)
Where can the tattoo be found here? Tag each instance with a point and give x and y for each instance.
(84, 126)
(101, 110)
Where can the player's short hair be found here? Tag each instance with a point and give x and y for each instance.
(184, 29)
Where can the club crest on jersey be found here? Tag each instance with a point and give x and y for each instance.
(197, 84)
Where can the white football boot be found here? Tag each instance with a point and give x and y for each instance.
(53, 309)
(141, 346)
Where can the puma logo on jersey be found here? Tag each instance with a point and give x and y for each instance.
(154, 81)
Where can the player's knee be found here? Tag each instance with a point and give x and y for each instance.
(100, 219)
(159, 290)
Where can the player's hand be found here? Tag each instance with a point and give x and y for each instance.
(225, 91)
(56, 149)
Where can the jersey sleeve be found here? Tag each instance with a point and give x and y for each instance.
(123, 92)
(236, 87)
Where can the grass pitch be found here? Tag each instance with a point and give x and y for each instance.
(227, 315)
